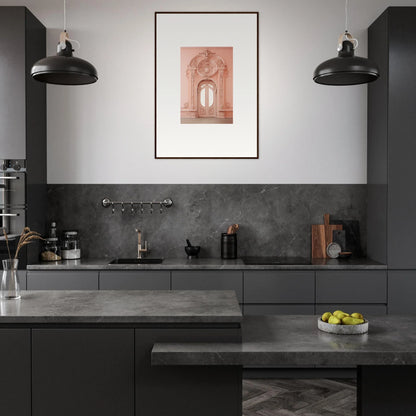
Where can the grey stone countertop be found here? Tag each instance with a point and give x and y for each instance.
(208, 264)
(133, 307)
(278, 340)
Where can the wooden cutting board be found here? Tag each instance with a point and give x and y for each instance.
(322, 236)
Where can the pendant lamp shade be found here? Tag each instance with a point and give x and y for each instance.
(64, 69)
(346, 68)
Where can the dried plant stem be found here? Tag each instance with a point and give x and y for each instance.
(7, 243)
(26, 237)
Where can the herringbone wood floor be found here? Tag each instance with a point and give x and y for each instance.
(287, 397)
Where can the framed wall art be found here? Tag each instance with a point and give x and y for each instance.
(206, 85)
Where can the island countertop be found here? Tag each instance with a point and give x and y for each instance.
(125, 307)
(295, 340)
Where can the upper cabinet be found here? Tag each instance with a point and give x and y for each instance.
(391, 139)
(22, 100)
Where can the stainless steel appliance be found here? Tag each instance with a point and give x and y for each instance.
(13, 205)
(13, 195)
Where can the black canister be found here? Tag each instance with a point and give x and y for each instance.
(228, 246)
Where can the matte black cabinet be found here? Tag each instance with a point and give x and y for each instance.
(22, 99)
(279, 292)
(364, 308)
(279, 287)
(391, 139)
(351, 287)
(402, 292)
(82, 372)
(62, 280)
(260, 292)
(132, 280)
(22, 279)
(209, 280)
(159, 389)
(15, 373)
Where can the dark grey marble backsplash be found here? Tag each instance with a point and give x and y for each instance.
(274, 219)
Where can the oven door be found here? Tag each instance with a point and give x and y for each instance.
(12, 189)
(12, 201)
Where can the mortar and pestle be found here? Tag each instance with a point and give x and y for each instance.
(192, 251)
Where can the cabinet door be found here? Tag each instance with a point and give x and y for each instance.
(402, 292)
(279, 287)
(15, 375)
(279, 309)
(83, 372)
(186, 390)
(401, 225)
(357, 286)
(132, 280)
(22, 279)
(13, 92)
(209, 280)
(365, 309)
(62, 280)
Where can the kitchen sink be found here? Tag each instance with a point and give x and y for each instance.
(136, 261)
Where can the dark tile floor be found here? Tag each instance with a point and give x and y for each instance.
(290, 397)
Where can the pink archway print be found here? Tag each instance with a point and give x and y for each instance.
(206, 85)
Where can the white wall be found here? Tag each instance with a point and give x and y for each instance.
(104, 133)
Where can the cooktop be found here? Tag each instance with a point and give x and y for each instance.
(275, 260)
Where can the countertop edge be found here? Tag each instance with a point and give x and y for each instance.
(203, 264)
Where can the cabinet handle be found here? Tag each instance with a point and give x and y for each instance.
(9, 215)
(9, 178)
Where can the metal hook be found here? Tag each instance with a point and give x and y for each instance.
(112, 208)
(161, 208)
(122, 207)
(141, 208)
(132, 207)
(151, 207)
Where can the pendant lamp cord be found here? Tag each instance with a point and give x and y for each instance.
(64, 35)
(347, 35)
(64, 15)
(346, 16)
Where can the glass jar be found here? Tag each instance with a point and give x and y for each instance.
(50, 250)
(70, 246)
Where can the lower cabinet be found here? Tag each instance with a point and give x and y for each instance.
(279, 309)
(362, 291)
(82, 372)
(15, 373)
(132, 280)
(352, 286)
(402, 291)
(259, 292)
(21, 274)
(196, 390)
(279, 292)
(209, 280)
(364, 308)
(62, 280)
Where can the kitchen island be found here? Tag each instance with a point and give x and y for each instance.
(89, 353)
(385, 357)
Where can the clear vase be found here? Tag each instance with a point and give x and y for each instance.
(10, 287)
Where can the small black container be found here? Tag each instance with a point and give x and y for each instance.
(228, 246)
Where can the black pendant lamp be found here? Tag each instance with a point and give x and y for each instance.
(64, 68)
(346, 68)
